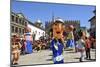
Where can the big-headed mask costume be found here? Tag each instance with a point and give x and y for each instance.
(28, 38)
(57, 41)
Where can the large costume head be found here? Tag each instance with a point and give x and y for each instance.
(71, 27)
(28, 29)
(58, 28)
(28, 34)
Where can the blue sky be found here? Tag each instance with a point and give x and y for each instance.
(43, 11)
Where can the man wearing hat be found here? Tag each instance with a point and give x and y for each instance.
(57, 41)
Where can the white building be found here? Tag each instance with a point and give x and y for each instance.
(39, 32)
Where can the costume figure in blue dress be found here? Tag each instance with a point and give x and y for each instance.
(57, 41)
(70, 38)
(28, 47)
(57, 49)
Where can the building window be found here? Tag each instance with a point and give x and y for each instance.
(12, 29)
(23, 31)
(12, 17)
(19, 30)
(39, 33)
(25, 23)
(35, 32)
(16, 19)
(16, 29)
(43, 33)
(20, 21)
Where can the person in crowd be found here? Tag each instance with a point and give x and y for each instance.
(15, 49)
(81, 46)
(87, 48)
(76, 38)
(39, 45)
(44, 44)
(23, 43)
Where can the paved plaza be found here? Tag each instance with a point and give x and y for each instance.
(45, 57)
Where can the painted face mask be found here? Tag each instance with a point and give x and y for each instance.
(58, 29)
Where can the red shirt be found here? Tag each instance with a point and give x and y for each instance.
(88, 44)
